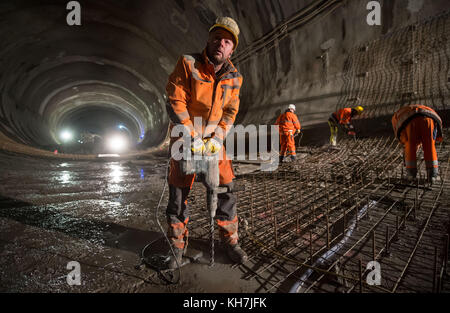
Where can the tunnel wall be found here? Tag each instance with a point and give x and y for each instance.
(304, 52)
(49, 70)
(337, 60)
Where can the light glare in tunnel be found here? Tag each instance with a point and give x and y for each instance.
(65, 177)
(117, 143)
(116, 173)
(66, 135)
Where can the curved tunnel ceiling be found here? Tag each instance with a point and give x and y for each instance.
(114, 67)
(54, 74)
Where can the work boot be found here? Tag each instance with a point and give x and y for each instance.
(410, 178)
(411, 173)
(281, 160)
(432, 180)
(432, 176)
(235, 253)
(293, 158)
(334, 147)
(173, 259)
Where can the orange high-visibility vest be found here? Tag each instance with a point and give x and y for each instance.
(194, 91)
(342, 116)
(288, 121)
(404, 115)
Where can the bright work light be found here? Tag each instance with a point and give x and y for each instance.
(66, 135)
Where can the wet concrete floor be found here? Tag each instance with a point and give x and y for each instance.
(99, 214)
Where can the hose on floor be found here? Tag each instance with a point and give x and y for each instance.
(164, 273)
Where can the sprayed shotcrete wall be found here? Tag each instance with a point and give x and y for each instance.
(328, 57)
(306, 52)
(407, 66)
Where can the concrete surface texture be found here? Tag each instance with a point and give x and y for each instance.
(60, 203)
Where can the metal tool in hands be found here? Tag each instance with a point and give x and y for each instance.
(206, 168)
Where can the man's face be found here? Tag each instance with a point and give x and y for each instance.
(220, 45)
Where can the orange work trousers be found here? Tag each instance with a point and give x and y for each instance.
(177, 211)
(287, 144)
(420, 131)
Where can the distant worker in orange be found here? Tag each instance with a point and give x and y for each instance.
(342, 118)
(289, 126)
(414, 125)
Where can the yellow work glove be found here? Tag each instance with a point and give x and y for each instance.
(212, 146)
(197, 146)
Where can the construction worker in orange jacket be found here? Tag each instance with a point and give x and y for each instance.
(342, 118)
(416, 125)
(205, 87)
(289, 126)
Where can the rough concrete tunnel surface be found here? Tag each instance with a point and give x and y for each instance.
(73, 93)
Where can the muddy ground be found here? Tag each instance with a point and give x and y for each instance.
(101, 215)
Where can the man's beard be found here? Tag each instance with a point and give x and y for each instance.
(217, 60)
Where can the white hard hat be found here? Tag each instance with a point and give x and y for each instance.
(291, 107)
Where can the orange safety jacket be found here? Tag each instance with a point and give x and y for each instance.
(342, 116)
(194, 91)
(402, 117)
(288, 121)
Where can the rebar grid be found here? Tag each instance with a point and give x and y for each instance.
(314, 225)
(355, 198)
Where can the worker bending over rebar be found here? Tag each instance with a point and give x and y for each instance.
(343, 119)
(416, 125)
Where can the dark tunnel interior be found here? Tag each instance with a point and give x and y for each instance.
(112, 69)
(84, 136)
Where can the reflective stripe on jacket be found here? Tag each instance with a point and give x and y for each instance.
(288, 121)
(194, 91)
(404, 115)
